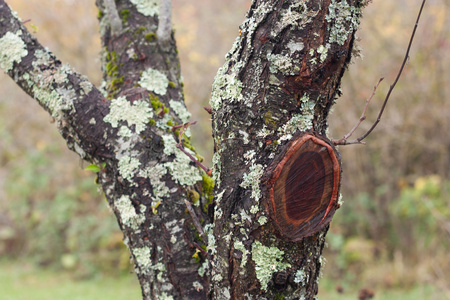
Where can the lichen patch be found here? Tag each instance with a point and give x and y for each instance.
(155, 174)
(154, 81)
(225, 87)
(283, 63)
(344, 19)
(252, 180)
(268, 260)
(180, 109)
(142, 257)
(180, 168)
(302, 121)
(128, 167)
(148, 8)
(137, 114)
(12, 50)
(128, 214)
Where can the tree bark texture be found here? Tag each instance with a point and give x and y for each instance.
(281, 78)
(278, 83)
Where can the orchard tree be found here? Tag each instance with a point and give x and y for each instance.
(251, 227)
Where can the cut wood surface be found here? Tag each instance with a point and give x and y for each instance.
(304, 187)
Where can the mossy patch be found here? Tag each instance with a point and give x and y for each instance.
(116, 83)
(125, 13)
(208, 190)
(154, 100)
(269, 121)
(193, 196)
(150, 36)
(140, 30)
(112, 70)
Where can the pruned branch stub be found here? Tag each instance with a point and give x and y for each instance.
(303, 186)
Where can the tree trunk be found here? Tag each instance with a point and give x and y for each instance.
(270, 102)
(281, 78)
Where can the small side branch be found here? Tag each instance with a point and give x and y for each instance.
(207, 171)
(208, 109)
(113, 17)
(183, 129)
(199, 228)
(165, 22)
(45, 76)
(197, 224)
(344, 141)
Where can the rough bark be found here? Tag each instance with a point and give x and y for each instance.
(128, 132)
(280, 79)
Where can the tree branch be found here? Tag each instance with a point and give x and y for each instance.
(68, 96)
(343, 140)
(165, 22)
(113, 16)
(143, 166)
(392, 86)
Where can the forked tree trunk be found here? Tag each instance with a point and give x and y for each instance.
(276, 174)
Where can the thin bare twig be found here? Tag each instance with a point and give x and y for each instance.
(207, 171)
(343, 141)
(183, 129)
(391, 88)
(197, 224)
(208, 109)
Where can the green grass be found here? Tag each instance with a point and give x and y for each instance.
(21, 281)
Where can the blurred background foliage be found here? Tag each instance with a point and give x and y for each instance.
(393, 231)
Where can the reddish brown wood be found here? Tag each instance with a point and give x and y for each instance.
(304, 187)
